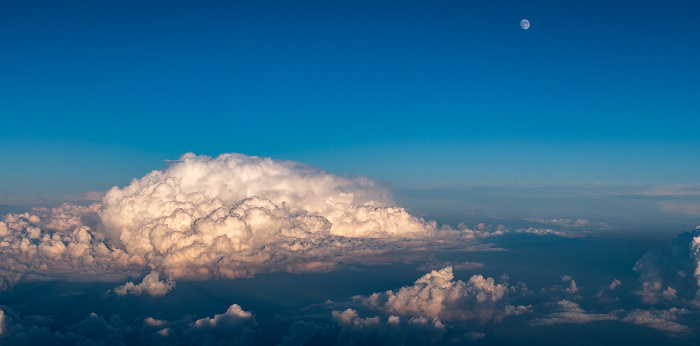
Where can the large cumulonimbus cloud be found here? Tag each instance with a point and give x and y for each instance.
(201, 217)
(225, 216)
(199, 186)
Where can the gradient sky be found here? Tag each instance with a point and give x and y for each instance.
(95, 93)
(532, 186)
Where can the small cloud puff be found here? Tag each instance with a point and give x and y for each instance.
(573, 288)
(603, 297)
(614, 284)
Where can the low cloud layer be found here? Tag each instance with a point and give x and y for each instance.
(233, 327)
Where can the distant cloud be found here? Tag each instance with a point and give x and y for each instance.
(678, 190)
(571, 312)
(572, 223)
(680, 208)
(300, 333)
(151, 284)
(475, 336)
(603, 294)
(482, 230)
(658, 319)
(455, 265)
(573, 288)
(614, 284)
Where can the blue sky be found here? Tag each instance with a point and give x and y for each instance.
(95, 93)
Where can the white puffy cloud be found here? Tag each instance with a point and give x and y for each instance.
(658, 319)
(438, 295)
(571, 312)
(150, 284)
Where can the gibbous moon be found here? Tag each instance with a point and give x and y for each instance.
(525, 24)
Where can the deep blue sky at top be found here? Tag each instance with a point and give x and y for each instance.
(93, 93)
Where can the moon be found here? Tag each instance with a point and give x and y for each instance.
(525, 24)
